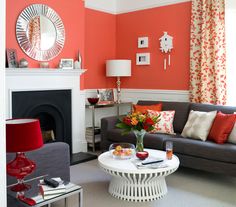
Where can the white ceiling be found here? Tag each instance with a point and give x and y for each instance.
(124, 6)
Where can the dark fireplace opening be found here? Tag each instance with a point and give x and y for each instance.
(52, 108)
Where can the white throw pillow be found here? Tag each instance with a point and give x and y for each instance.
(232, 135)
(199, 124)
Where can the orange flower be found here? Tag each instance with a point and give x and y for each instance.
(134, 121)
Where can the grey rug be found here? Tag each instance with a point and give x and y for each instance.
(186, 188)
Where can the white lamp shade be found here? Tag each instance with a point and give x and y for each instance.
(118, 68)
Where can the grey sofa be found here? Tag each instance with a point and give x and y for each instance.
(207, 156)
(52, 159)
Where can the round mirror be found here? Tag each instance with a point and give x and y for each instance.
(40, 32)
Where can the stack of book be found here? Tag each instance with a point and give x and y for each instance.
(50, 192)
(90, 132)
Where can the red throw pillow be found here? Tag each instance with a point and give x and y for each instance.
(144, 108)
(221, 127)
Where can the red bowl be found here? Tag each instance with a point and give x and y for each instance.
(93, 101)
(142, 155)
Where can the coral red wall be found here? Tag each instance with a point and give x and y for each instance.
(100, 45)
(72, 14)
(175, 19)
(100, 36)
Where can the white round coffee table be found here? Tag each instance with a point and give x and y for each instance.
(133, 184)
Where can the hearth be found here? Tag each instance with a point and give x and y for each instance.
(51, 107)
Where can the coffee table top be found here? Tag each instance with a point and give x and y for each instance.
(128, 166)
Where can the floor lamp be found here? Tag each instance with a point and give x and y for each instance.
(118, 68)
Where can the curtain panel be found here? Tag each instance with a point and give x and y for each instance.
(208, 52)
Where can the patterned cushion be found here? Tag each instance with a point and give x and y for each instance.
(199, 124)
(165, 125)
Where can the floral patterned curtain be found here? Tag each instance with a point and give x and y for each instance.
(208, 52)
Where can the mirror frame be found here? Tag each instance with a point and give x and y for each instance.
(22, 26)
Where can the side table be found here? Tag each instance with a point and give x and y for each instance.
(34, 193)
(97, 106)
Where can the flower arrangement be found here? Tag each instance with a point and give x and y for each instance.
(137, 121)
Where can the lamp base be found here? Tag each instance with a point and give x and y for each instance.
(20, 167)
(20, 186)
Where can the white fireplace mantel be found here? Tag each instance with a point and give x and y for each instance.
(18, 79)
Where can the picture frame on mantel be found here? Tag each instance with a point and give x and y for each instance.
(12, 60)
(66, 64)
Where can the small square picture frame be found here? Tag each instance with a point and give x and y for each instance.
(12, 60)
(66, 63)
(142, 58)
(106, 96)
(143, 42)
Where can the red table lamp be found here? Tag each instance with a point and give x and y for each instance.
(22, 135)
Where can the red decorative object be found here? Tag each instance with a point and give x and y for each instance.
(142, 155)
(222, 127)
(93, 100)
(22, 135)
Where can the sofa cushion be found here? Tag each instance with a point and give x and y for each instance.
(165, 124)
(199, 124)
(221, 127)
(207, 150)
(181, 112)
(232, 136)
(144, 108)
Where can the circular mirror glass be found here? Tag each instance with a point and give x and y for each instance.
(40, 32)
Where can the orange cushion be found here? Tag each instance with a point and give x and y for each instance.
(221, 127)
(144, 108)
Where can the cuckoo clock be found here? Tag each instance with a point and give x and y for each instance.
(166, 45)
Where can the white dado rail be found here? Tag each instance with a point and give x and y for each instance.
(52, 79)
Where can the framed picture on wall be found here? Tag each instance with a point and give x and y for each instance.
(106, 96)
(143, 59)
(12, 60)
(143, 42)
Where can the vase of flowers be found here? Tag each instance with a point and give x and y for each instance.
(139, 123)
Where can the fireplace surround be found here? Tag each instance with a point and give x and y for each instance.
(38, 81)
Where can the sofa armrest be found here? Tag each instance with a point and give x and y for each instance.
(52, 159)
(107, 123)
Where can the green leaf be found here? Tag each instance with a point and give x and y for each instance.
(122, 126)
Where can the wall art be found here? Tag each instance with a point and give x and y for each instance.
(166, 45)
(143, 59)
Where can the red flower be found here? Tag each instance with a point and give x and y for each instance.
(127, 121)
(149, 121)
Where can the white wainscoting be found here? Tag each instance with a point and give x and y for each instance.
(133, 95)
